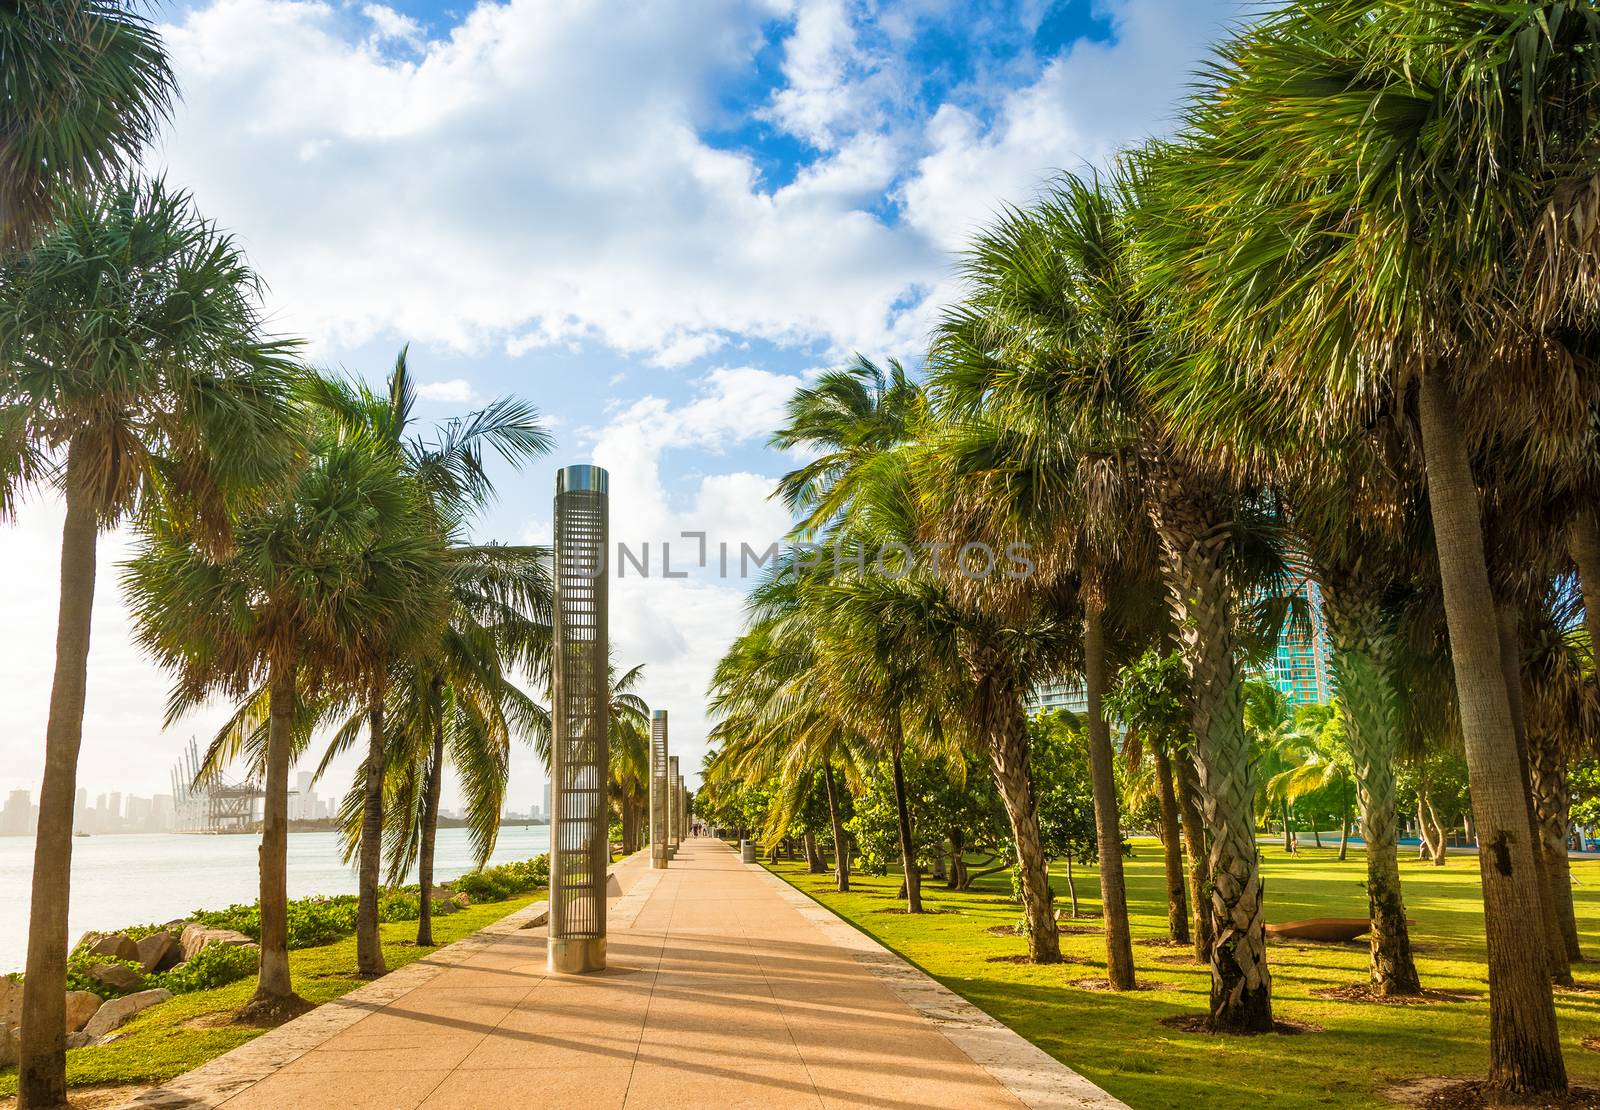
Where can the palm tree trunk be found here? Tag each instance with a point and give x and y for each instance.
(815, 864)
(1201, 599)
(841, 852)
(908, 857)
(273, 984)
(42, 1068)
(1316, 836)
(1583, 541)
(1102, 775)
(1511, 667)
(1194, 835)
(1361, 653)
(430, 816)
(369, 943)
(1288, 829)
(1344, 819)
(1171, 849)
(1524, 1042)
(1007, 729)
(1551, 803)
(1072, 887)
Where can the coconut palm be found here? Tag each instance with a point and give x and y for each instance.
(87, 84)
(136, 382)
(284, 614)
(1317, 752)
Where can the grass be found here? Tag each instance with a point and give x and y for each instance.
(176, 1036)
(1116, 1040)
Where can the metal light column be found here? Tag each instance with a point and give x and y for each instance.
(580, 845)
(683, 807)
(658, 788)
(674, 829)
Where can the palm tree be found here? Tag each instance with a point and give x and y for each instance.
(451, 478)
(278, 622)
(1059, 335)
(1397, 194)
(852, 419)
(137, 383)
(86, 86)
(458, 705)
(1317, 752)
(629, 738)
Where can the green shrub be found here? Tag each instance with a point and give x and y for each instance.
(215, 965)
(314, 922)
(496, 884)
(80, 966)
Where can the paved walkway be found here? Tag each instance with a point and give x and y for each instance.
(722, 991)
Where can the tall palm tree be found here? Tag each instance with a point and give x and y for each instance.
(1058, 335)
(1318, 757)
(86, 84)
(283, 614)
(136, 381)
(451, 477)
(458, 705)
(1397, 194)
(852, 419)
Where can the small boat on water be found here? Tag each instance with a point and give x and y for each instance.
(80, 834)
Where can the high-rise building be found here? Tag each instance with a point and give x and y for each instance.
(16, 816)
(1303, 665)
(547, 808)
(80, 809)
(1068, 695)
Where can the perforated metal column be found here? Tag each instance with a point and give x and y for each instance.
(579, 762)
(683, 808)
(658, 788)
(674, 813)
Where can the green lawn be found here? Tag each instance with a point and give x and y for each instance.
(172, 1038)
(1116, 1041)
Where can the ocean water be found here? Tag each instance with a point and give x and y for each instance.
(122, 880)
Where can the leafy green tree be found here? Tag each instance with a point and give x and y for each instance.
(1061, 768)
(137, 383)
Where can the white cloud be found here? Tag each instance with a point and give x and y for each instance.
(457, 391)
(537, 177)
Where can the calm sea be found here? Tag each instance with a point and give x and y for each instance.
(132, 880)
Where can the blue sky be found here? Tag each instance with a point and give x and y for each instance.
(654, 220)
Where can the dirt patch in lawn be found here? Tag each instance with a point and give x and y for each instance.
(1163, 942)
(1104, 985)
(1197, 1023)
(1178, 958)
(1361, 992)
(92, 1098)
(1435, 1092)
(1024, 958)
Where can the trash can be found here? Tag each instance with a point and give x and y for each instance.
(748, 850)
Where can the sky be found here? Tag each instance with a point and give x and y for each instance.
(653, 220)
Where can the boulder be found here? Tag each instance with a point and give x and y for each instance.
(10, 1002)
(196, 937)
(10, 1045)
(81, 1006)
(158, 952)
(461, 899)
(116, 977)
(116, 946)
(445, 907)
(114, 1013)
(81, 1040)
